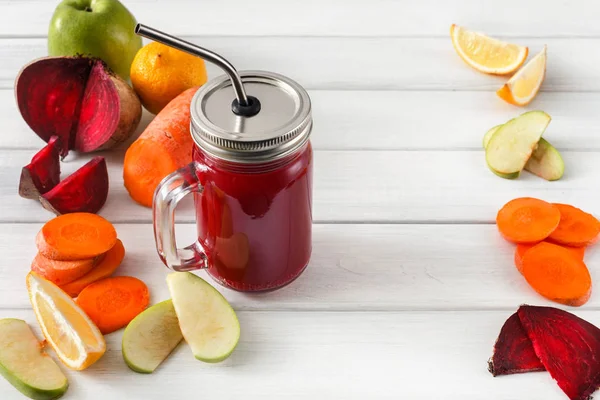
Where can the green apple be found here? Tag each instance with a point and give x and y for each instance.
(545, 161)
(511, 145)
(151, 337)
(207, 321)
(24, 364)
(100, 28)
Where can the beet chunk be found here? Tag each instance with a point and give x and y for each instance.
(513, 351)
(79, 100)
(85, 190)
(568, 346)
(43, 172)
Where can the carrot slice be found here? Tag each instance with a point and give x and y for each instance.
(76, 236)
(527, 220)
(62, 272)
(104, 269)
(576, 227)
(113, 302)
(557, 275)
(521, 249)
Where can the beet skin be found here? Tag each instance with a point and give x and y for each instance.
(43, 172)
(513, 351)
(85, 190)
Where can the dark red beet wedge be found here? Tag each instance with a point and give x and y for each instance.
(85, 190)
(78, 99)
(568, 346)
(513, 351)
(43, 172)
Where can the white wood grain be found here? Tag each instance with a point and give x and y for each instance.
(365, 63)
(350, 355)
(398, 120)
(353, 267)
(363, 186)
(333, 17)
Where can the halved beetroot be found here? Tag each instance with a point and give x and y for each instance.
(85, 190)
(43, 172)
(568, 346)
(513, 351)
(79, 100)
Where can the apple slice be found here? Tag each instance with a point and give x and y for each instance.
(486, 139)
(510, 147)
(151, 337)
(24, 364)
(545, 161)
(207, 321)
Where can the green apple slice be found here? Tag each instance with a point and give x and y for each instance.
(24, 364)
(510, 147)
(151, 337)
(546, 162)
(207, 321)
(486, 139)
(488, 135)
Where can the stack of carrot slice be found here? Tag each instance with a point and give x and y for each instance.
(551, 241)
(75, 250)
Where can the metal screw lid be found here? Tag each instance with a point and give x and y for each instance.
(281, 126)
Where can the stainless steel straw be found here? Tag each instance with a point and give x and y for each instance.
(207, 55)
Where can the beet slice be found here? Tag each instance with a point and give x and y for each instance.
(43, 172)
(513, 351)
(568, 346)
(78, 99)
(85, 190)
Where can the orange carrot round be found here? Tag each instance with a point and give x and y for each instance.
(521, 249)
(62, 272)
(576, 227)
(76, 236)
(527, 220)
(105, 268)
(165, 146)
(556, 274)
(113, 302)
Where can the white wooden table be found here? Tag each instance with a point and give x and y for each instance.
(409, 281)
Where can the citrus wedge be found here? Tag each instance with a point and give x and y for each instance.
(486, 54)
(73, 336)
(525, 84)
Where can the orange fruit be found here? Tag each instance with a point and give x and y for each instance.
(71, 333)
(525, 84)
(486, 54)
(160, 73)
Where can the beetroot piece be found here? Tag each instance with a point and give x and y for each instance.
(78, 99)
(85, 190)
(513, 351)
(43, 172)
(568, 346)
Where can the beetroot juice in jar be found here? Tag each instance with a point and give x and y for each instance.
(251, 177)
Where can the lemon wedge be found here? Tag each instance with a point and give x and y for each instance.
(525, 84)
(73, 336)
(486, 54)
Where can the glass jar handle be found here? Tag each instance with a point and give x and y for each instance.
(170, 191)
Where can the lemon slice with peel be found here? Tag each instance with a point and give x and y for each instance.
(525, 84)
(486, 54)
(73, 336)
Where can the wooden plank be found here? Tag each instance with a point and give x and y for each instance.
(353, 267)
(362, 186)
(333, 17)
(396, 120)
(350, 355)
(391, 63)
